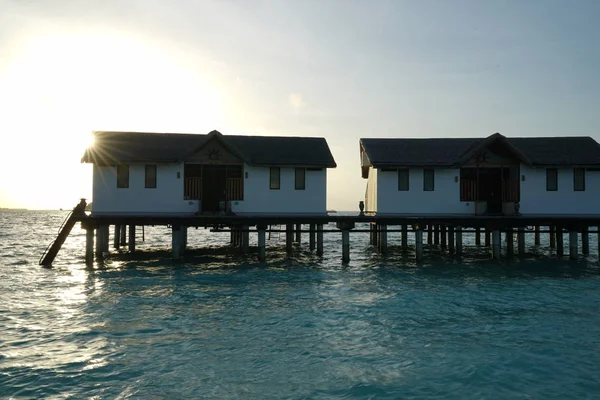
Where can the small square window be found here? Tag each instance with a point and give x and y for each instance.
(551, 179)
(428, 180)
(150, 177)
(274, 178)
(123, 176)
(403, 180)
(579, 179)
(300, 179)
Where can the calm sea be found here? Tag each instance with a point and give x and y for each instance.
(226, 327)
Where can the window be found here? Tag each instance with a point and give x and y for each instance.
(403, 179)
(579, 179)
(274, 181)
(123, 176)
(300, 178)
(551, 179)
(428, 180)
(150, 177)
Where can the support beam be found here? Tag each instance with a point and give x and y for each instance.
(383, 239)
(375, 234)
(176, 242)
(560, 251)
(117, 237)
(123, 235)
(443, 237)
(262, 243)
(345, 227)
(521, 240)
(184, 234)
(585, 241)
(496, 244)
(89, 247)
(131, 238)
(101, 241)
(537, 235)
(419, 244)
(298, 233)
(289, 233)
(510, 242)
(552, 238)
(436, 235)
(573, 245)
(311, 237)
(429, 234)
(487, 237)
(459, 243)
(477, 236)
(451, 241)
(245, 239)
(319, 240)
(405, 238)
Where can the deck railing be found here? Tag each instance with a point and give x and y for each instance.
(192, 189)
(235, 189)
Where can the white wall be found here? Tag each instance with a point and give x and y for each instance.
(536, 200)
(371, 192)
(444, 199)
(167, 198)
(258, 198)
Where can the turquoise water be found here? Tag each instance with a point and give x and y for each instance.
(224, 326)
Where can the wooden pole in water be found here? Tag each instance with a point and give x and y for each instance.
(552, 235)
(487, 238)
(573, 237)
(99, 240)
(459, 244)
(496, 244)
(289, 233)
(117, 237)
(419, 244)
(245, 239)
(262, 244)
(123, 235)
(477, 236)
(175, 242)
(345, 227)
(585, 241)
(443, 237)
(311, 237)
(537, 235)
(509, 242)
(521, 240)
(131, 238)
(89, 247)
(451, 241)
(375, 234)
(383, 238)
(298, 233)
(429, 234)
(436, 235)
(184, 234)
(106, 238)
(319, 239)
(404, 238)
(560, 251)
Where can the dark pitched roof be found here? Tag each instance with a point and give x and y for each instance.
(558, 151)
(130, 147)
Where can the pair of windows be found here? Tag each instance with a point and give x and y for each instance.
(552, 179)
(275, 178)
(428, 180)
(123, 176)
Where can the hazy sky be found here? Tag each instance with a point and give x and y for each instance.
(337, 69)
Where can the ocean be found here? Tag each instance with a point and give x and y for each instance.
(223, 326)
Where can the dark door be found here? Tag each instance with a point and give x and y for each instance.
(213, 187)
(490, 189)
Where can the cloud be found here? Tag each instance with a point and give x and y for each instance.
(296, 101)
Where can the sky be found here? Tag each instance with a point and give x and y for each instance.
(342, 70)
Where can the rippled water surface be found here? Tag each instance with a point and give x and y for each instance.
(225, 326)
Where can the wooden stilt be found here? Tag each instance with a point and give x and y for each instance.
(585, 242)
(345, 245)
(289, 232)
(477, 236)
(106, 238)
(123, 235)
(100, 237)
(459, 243)
(117, 237)
(552, 235)
(89, 247)
(175, 242)
(131, 238)
(496, 244)
(262, 243)
(560, 251)
(487, 238)
(521, 240)
(537, 235)
(509, 242)
(429, 235)
(573, 245)
(382, 239)
(298, 233)
(184, 232)
(436, 235)
(319, 239)
(375, 234)
(245, 239)
(451, 241)
(311, 237)
(404, 238)
(419, 244)
(443, 237)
